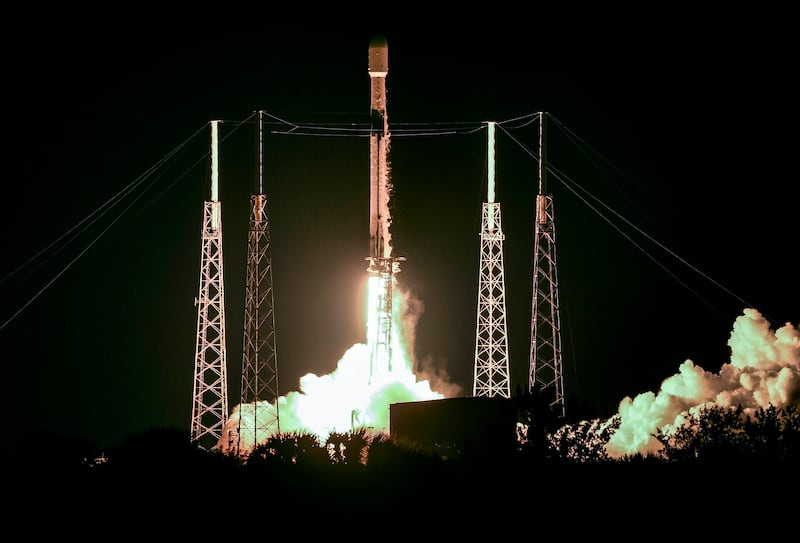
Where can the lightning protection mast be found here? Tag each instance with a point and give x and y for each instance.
(491, 339)
(210, 398)
(545, 375)
(258, 407)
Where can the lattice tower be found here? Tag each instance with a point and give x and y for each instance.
(545, 375)
(210, 398)
(491, 377)
(258, 408)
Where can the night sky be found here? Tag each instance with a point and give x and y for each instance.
(680, 128)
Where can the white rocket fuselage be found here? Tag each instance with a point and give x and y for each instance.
(380, 247)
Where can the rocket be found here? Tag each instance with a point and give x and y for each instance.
(382, 265)
(379, 218)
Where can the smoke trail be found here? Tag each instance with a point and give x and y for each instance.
(764, 370)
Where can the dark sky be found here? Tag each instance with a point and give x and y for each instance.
(682, 128)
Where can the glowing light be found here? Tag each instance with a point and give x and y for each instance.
(347, 399)
(490, 190)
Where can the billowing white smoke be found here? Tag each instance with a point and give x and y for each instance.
(764, 370)
(347, 398)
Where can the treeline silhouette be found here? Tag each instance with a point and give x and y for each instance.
(370, 478)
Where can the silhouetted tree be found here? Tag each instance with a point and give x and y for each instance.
(348, 448)
(583, 442)
(774, 434)
(538, 418)
(721, 435)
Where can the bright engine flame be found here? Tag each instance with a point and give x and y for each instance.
(350, 397)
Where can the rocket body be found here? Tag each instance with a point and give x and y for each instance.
(380, 186)
(382, 266)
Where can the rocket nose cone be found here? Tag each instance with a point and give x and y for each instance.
(378, 54)
(377, 41)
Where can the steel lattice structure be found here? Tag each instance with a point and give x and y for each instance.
(259, 356)
(210, 398)
(491, 342)
(380, 339)
(491, 376)
(546, 375)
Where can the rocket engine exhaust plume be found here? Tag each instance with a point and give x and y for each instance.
(350, 397)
